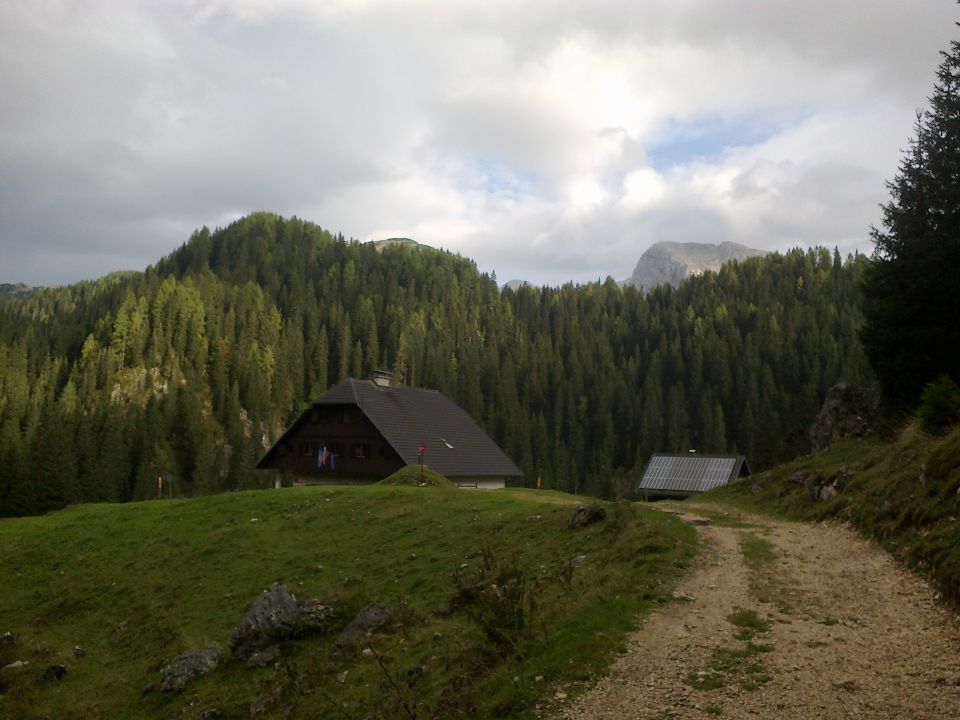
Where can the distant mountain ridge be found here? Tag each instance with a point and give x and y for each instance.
(662, 263)
(670, 262)
(17, 291)
(395, 241)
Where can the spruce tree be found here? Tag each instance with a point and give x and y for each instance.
(911, 286)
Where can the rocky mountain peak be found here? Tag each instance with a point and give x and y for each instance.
(18, 291)
(671, 262)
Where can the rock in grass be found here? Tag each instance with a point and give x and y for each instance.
(264, 657)
(276, 615)
(175, 675)
(372, 618)
(584, 515)
(55, 673)
(261, 703)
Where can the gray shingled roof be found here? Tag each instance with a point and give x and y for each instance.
(409, 418)
(691, 473)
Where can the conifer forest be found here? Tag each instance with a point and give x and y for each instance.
(192, 368)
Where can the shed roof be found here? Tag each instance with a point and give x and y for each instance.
(691, 473)
(410, 418)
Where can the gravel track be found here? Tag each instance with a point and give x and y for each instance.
(850, 635)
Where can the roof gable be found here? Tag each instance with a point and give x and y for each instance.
(691, 473)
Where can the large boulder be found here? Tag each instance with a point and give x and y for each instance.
(848, 411)
(276, 615)
(175, 675)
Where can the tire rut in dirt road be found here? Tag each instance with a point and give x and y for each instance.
(787, 620)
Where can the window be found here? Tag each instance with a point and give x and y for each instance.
(361, 451)
(307, 448)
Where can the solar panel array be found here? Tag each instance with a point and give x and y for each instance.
(688, 473)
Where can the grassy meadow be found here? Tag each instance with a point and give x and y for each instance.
(112, 592)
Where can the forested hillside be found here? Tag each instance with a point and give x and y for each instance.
(191, 368)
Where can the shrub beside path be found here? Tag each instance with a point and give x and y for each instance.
(786, 620)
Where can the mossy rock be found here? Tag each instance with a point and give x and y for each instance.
(410, 475)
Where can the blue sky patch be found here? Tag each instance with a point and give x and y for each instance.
(681, 142)
(500, 179)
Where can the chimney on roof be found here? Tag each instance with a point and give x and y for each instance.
(381, 378)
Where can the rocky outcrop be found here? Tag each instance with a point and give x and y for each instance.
(263, 658)
(276, 615)
(818, 487)
(175, 675)
(848, 411)
(667, 263)
(515, 284)
(382, 245)
(584, 515)
(17, 291)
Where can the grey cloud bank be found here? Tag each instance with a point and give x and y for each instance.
(522, 135)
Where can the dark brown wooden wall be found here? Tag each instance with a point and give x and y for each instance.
(343, 429)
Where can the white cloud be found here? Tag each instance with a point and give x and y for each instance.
(547, 139)
(643, 188)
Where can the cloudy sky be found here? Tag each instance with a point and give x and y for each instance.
(548, 140)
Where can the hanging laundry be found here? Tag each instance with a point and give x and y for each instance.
(323, 457)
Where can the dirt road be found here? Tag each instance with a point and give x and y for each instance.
(785, 620)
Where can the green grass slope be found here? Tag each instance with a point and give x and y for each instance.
(411, 475)
(134, 585)
(905, 494)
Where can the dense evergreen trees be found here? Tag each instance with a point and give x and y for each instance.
(192, 367)
(912, 286)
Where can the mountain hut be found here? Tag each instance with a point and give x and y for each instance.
(364, 430)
